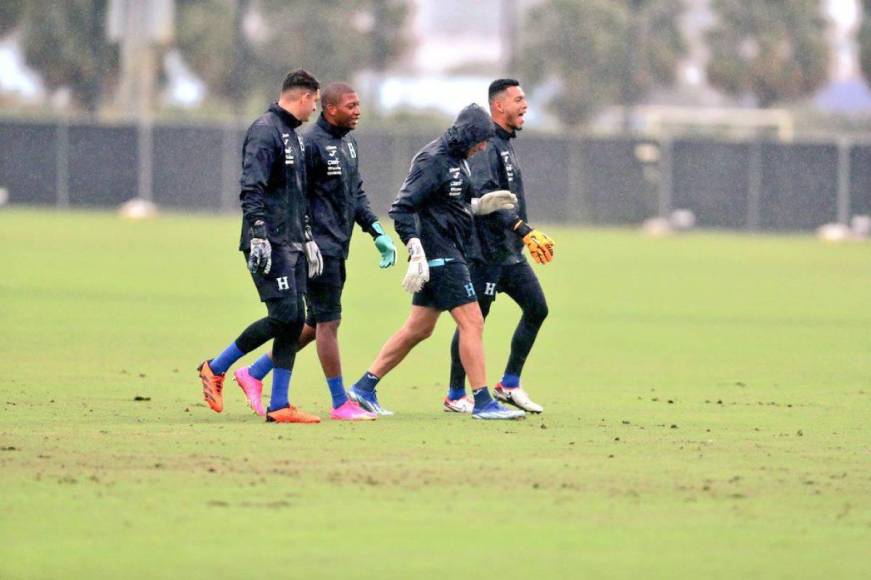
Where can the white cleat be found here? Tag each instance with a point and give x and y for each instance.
(518, 398)
(461, 405)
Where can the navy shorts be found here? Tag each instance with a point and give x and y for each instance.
(449, 286)
(324, 294)
(517, 280)
(286, 278)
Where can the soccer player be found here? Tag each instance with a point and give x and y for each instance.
(336, 202)
(434, 220)
(500, 266)
(274, 237)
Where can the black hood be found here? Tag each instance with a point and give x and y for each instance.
(472, 126)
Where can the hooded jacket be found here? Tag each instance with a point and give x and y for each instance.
(273, 179)
(433, 202)
(335, 189)
(497, 168)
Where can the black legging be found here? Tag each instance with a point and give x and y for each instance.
(284, 323)
(521, 284)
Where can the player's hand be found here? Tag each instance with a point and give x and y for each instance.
(260, 254)
(493, 201)
(540, 246)
(384, 244)
(418, 269)
(313, 255)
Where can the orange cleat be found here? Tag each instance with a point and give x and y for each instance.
(290, 414)
(213, 385)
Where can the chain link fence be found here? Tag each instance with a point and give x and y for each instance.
(738, 185)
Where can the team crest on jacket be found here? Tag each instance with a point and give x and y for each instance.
(456, 181)
(351, 150)
(288, 151)
(334, 164)
(509, 166)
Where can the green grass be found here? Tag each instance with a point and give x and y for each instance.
(707, 403)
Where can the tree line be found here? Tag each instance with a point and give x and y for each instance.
(588, 53)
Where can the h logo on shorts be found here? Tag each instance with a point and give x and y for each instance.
(283, 284)
(470, 289)
(490, 289)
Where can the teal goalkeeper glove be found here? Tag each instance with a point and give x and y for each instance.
(384, 243)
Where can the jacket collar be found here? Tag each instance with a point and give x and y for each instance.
(337, 132)
(285, 115)
(503, 134)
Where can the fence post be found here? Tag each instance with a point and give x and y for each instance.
(666, 175)
(229, 169)
(400, 158)
(754, 186)
(844, 146)
(145, 152)
(62, 169)
(576, 201)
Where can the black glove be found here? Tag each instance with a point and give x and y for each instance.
(260, 256)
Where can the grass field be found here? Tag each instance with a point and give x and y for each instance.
(707, 403)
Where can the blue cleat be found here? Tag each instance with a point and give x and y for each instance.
(368, 401)
(493, 410)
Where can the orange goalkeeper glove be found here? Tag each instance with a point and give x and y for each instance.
(540, 246)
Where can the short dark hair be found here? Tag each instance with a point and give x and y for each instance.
(500, 85)
(333, 93)
(300, 79)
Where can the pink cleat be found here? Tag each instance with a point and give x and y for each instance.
(252, 388)
(351, 411)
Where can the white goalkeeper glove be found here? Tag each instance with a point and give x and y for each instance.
(493, 201)
(313, 255)
(418, 269)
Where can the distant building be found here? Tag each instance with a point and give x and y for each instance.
(847, 92)
(455, 35)
(458, 47)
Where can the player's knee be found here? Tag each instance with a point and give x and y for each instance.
(330, 328)
(420, 333)
(285, 312)
(306, 335)
(537, 312)
(473, 325)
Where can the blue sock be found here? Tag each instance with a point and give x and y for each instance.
(455, 394)
(223, 361)
(367, 383)
(280, 389)
(482, 397)
(337, 391)
(261, 367)
(510, 381)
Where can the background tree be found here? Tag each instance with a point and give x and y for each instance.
(774, 50)
(602, 51)
(865, 40)
(243, 48)
(209, 36)
(10, 14)
(66, 43)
